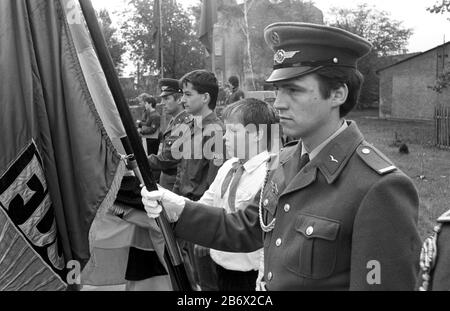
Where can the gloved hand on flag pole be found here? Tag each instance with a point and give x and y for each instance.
(173, 203)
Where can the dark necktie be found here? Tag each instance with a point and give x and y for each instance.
(235, 173)
(303, 161)
(171, 122)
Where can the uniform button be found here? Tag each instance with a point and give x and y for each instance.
(278, 243)
(365, 151)
(309, 230)
(287, 208)
(269, 276)
(266, 202)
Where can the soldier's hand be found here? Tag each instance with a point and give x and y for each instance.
(200, 251)
(173, 204)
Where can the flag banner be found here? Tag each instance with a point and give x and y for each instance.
(93, 73)
(58, 166)
(207, 20)
(30, 256)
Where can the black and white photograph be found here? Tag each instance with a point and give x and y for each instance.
(224, 150)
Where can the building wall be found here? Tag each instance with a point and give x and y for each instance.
(404, 88)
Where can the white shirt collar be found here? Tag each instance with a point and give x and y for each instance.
(319, 148)
(253, 163)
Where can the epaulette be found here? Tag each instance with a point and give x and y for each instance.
(188, 119)
(445, 217)
(183, 118)
(375, 159)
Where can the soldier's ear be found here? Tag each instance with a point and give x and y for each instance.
(339, 95)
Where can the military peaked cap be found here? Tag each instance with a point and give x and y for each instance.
(303, 48)
(169, 87)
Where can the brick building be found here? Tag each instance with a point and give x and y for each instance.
(405, 85)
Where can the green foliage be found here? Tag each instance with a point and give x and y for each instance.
(182, 50)
(115, 45)
(441, 6)
(387, 35)
(442, 82)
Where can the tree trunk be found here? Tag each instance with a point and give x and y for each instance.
(247, 35)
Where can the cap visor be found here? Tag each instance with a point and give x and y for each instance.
(289, 73)
(165, 94)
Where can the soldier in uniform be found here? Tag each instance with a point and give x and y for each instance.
(171, 95)
(334, 213)
(435, 258)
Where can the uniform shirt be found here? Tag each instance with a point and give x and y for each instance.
(249, 185)
(194, 176)
(165, 161)
(317, 150)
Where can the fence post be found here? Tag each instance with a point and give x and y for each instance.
(447, 126)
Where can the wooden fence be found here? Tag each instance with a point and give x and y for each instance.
(442, 120)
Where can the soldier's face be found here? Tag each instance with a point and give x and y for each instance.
(193, 101)
(170, 104)
(303, 110)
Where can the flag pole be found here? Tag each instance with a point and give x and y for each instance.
(172, 255)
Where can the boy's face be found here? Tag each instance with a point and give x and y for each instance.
(193, 101)
(240, 142)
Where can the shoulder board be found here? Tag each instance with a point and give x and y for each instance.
(375, 159)
(445, 217)
(187, 119)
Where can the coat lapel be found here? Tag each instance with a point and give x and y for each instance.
(303, 179)
(331, 160)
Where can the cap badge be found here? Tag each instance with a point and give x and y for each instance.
(281, 56)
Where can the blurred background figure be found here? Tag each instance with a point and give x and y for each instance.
(149, 125)
(236, 92)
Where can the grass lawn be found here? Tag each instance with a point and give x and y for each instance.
(424, 160)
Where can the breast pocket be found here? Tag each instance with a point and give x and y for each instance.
(313, 247)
